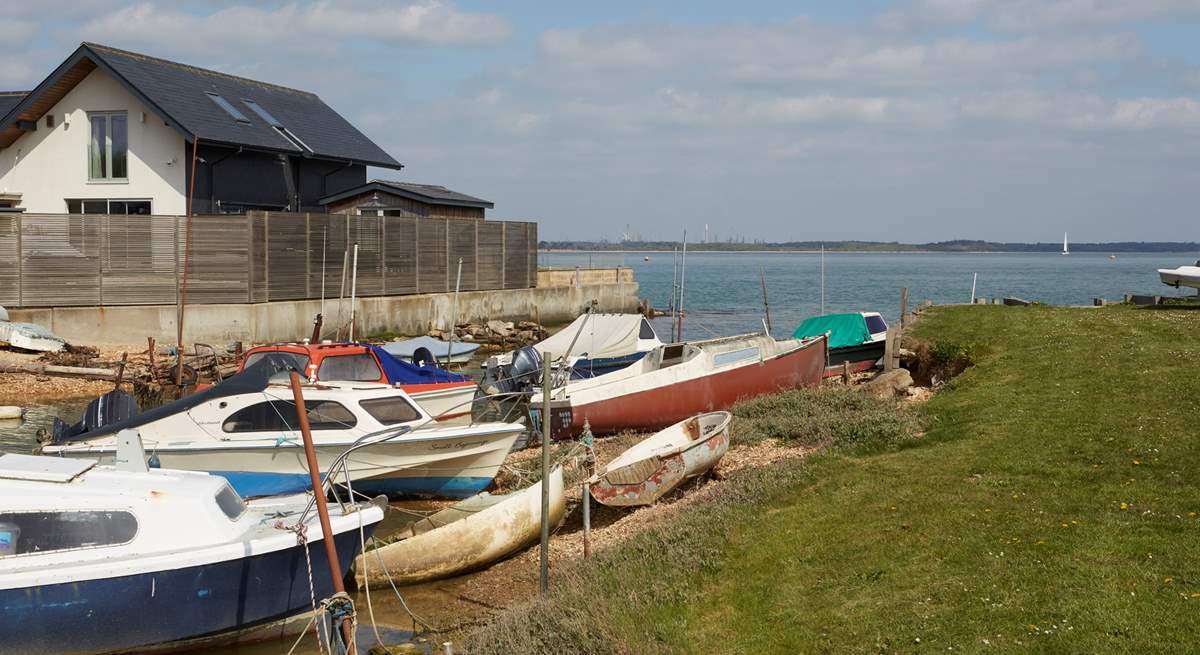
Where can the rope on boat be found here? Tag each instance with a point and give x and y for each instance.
(301, 531)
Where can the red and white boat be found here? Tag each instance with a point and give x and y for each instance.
(679, 380)
(442, 394)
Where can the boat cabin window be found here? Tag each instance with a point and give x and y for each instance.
(391, 410)
(299, 360)
(22, 533)
(875, 324)
(280, 416)
(353, 368)
(645, 331)
(230, 503)
(674, 354)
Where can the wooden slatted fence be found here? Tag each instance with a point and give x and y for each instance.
(54, 260)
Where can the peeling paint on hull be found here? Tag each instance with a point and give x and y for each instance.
(659, 464)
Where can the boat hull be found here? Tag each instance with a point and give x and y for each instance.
(590, 368)
(132, 611)
(410, 466)
(468, 544)
(1184, 276)
(663, 405)
(666, 472)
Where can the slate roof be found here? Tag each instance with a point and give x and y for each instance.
(428, 193)
(178, 92)
(10, 99)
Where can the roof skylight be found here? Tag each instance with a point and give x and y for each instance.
(262, 113)
(229, 108)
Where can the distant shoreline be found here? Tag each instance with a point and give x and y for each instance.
(565, 251)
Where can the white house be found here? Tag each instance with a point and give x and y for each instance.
(116, 132)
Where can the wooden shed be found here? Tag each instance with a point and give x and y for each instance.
(390, 198)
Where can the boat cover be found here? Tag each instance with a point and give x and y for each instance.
(604, 335)
(405, 348)
(846, 329)
(399, 371)
(252, 380)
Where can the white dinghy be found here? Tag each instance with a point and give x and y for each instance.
(464, 537)
(656, 466)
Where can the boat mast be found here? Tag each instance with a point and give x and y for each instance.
(682, 280)
(353, 291)
(674, 288)
(314, 472)
(822, 279)
(454, 313)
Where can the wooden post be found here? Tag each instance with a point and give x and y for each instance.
(903, 307)
(314, 472)
(888, 347)
(846, 372)
(544, 576)
(121, 370)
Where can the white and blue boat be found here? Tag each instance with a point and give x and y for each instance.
(245, 429)
(95, 559)
(593, 345)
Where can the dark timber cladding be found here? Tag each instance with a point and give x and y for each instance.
(96, 260)
(392, 198)
(262, 146)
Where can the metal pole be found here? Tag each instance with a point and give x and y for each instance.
(586, 495)
(324, 239)
(674, 287)
(353, 291)
(314, 472)
(822, 279)
(762, 277)
(682, 284)
(974, 279)
(454, 312)
(545, 559)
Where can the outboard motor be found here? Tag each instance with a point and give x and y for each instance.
(114, 406)
(423, 357)
(502, 384)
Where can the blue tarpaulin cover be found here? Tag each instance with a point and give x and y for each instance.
(399, 371)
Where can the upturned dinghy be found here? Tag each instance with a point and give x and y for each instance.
(654, 467)
(464, 537)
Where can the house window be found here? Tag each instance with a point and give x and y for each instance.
(229, 108)
(108, 147)
(105, 206)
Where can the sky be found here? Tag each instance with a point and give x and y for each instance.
(912, 121)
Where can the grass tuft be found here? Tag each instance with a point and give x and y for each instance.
(834, 417)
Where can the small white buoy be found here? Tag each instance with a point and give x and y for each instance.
(10, 412)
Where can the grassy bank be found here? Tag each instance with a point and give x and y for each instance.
(1051, 504)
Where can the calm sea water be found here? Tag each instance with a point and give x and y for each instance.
(723, 294)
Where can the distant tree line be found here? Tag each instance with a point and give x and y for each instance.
(958, 245)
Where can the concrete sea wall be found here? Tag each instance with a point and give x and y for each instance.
(291, 320)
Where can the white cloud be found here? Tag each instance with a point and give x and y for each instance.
(321, 26)
(1033, 15)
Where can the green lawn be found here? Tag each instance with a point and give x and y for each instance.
(1051, 505)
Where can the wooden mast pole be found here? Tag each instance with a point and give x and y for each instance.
(314, 471)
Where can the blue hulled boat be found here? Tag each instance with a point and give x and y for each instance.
(94, 559)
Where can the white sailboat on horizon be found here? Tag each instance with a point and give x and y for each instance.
(1065, 250)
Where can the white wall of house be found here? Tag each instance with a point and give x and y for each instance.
(50, 165)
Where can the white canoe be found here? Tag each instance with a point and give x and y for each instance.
(464, 537)
(659, 464)
(1184, 276)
